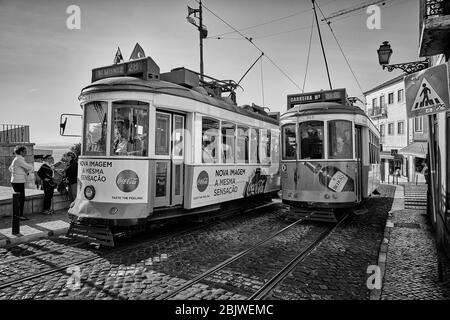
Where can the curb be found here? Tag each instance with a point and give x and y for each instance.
(398, 204)
(15, 240)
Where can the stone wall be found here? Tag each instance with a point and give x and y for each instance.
(6, 157)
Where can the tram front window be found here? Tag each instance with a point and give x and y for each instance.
(311, 133)
(95, 128)
(340, 143)
(290, 142)
(130, 128)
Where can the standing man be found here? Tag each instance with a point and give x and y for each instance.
(45, 172)
(20, 169)
(71, 175)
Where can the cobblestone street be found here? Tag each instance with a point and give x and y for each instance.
(152, 268)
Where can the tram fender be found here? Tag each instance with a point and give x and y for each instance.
(83, 208)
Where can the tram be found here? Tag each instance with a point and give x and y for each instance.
(330, 154)
(164, 145)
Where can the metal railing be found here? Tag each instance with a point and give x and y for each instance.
(378, 111)
(436, 8)
(14, 133)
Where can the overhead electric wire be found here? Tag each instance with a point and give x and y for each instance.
(268, 22)
(250, 40)
(340, 48)
(309, 53)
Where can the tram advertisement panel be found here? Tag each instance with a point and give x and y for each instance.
(318, 181)
(217, 184)
(115, 181)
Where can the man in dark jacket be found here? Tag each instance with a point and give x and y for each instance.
(71, 175)
(45, 172)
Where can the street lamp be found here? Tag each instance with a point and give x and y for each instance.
(384, 56)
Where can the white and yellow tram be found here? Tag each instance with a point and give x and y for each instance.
(161, 145)
(330, 154)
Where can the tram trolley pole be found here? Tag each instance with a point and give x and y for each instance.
(15, 222)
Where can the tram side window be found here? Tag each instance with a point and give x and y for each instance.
(95, 130)
(275, 147)
(130, 128)
(289, 142)
(210, 140)
(265, 145)
(228, 141)
(242, 145)
(254, 145)
(312, 136)
(340, 142)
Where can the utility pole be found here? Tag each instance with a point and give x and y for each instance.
(200, 29)
(203, 32)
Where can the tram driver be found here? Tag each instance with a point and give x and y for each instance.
(121, 143)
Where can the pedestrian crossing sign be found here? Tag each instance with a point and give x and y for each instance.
(427, 92)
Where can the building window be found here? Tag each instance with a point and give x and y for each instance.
(390, 129)
(382, 101)
(401, 128)
(374, 103)
(382, 131)
(391, 98)
(401, 95)
(418, 124)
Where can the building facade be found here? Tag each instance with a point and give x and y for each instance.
(434, 23)
(403, 141)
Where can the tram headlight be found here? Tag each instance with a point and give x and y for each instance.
(335, 197)
(327, 196)
(113, 210)
(89, 192)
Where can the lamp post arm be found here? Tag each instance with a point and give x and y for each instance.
(408, 67)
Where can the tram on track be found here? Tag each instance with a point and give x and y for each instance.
(164, 145)
(330, 154)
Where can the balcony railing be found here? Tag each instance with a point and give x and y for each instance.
(14, 133)
(434, 27)
(378, 112)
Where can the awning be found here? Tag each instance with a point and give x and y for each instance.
(416, 149)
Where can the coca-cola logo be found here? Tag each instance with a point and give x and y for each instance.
(127, 181)
(202, 181)
(256, 184)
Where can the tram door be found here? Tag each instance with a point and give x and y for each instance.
(359, 155)
(169, 166)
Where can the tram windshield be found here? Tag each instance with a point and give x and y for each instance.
(130, 128)
(290, 142)
(95, 130)
(340, 142)
(312, 136)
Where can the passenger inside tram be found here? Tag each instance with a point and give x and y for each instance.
(121, 143)
(209, 148)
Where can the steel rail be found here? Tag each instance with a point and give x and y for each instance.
(225, 263)
(280, 276)
(131, 246)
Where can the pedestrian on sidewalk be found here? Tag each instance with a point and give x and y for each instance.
(425, 173)
(45, 172)
(71, 175)
(20, 169)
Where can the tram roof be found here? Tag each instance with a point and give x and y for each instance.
(320, 108)
(164, 87)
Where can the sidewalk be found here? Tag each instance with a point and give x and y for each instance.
(39, 225)
(408, 257)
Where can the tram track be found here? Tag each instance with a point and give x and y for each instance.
(109, 251)
(270, 285)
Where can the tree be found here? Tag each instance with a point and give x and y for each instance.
(76, 148)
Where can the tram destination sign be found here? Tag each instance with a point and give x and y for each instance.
(337, 95)
(144, 68)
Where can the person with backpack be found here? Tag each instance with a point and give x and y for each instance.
(45, 172)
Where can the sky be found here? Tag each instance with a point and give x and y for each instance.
(45, 65)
